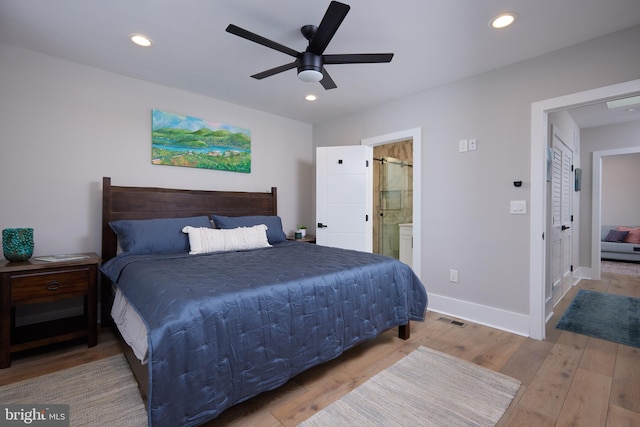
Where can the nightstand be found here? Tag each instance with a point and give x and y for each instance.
(308, 238)
(35, 281)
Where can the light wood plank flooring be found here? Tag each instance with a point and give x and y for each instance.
(567, 380)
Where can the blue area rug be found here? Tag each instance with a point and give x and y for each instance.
(605, 316)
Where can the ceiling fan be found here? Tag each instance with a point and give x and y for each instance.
(310, 63)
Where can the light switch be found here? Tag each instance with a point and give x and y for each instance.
(518, 207)
(464, 145)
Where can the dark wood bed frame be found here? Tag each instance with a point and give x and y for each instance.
(122, 203)
(126, 203)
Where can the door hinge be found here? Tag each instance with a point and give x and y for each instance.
(571, 218)
(366, 218)
(366, 163)
(571, 168)
(571, 267)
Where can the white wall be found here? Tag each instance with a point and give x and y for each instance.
(64, 126)
(465, 220)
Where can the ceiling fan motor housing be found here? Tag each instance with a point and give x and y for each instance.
(310, 67)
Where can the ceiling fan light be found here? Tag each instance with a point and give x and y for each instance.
(310, 67)
(631, 101)
(310, 76)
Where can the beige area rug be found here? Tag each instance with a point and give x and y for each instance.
(620, 267)
(425, 388)
(99, 393)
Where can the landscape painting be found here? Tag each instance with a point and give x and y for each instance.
(179, 140)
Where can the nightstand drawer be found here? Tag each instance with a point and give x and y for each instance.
(42, 286)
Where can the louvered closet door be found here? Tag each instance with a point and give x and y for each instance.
(561, 210)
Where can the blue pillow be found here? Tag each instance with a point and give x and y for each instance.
(146, 236)
(273, 223)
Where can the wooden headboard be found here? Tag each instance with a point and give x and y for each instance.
(120, 203)
(147, 203)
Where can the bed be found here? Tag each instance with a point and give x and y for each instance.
(215, 326)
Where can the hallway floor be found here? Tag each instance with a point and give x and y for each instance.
(619, 267)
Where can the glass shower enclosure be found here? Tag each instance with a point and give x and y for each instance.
(395, 205)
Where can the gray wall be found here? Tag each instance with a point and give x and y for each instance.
(64, 126)
(465, 220)
(620, 192)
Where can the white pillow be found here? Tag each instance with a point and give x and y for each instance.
(204, 240)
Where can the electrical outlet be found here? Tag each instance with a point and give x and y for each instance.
(473, 144)
(453, 276)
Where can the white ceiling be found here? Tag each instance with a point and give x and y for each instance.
(598, 114)
(435, 42)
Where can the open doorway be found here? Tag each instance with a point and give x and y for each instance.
(392, 195)
(539, 209)
(597, 203)
(414, 137)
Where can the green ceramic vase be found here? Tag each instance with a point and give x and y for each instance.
(17, 243)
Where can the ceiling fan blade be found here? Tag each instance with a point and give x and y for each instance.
(333, 17)
(245, 34)
(357, 58)
(276, 70)
(327, 82)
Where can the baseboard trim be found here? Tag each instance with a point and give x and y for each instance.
(484, 315)
(583, 273)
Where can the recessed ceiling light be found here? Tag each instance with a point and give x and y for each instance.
(503, 20)
(141, 40)
(631, 101)
(310, 97)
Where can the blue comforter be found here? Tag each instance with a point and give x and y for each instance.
(227, 326)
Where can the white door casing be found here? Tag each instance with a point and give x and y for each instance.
(344, 197)
(415, 135)
(538, 220)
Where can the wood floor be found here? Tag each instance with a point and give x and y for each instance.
(567, 380)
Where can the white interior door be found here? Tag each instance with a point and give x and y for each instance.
(344, 187)
(561, 275)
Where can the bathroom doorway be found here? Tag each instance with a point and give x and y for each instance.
(392, 195)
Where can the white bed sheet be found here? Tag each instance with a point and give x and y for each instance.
(131, 326)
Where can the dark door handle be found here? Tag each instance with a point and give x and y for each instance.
(565, 227)
(321, 225)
